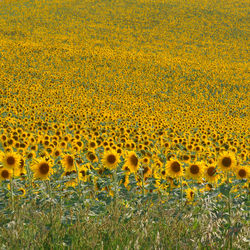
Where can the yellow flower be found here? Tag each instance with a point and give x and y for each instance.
(10, 160)
(5, 173)
(132, 162)
(147, 172)
(110, 159)
(190, 194)
(226, 161)
(242, 172)
(83, 172)
(68, 162)
(195, 171)
(42, 168)
(22, 191)
(91, 156)
(211, 174)
(174, 169)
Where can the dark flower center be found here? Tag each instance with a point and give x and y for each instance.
(111, 159)
(226, 162)
(70, 161)
(175, 166)
(5, 174)
(83, 173)
(134, 160)
(44, 168)
(10, 160)
(92, 157)
(242, 173)
(194, 169)
(211, 171)
(145, 170)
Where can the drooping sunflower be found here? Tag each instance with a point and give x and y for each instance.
(68, 162)
(21, 170)
(211, 174)
(132, 162)
(147, 172)
(195, 171)
(174, 169)
(242, 172)
(42, 168)
(226, 161)
(83, 172)
(5, 173)
(10, 160)
(126, 180)
(110, 159)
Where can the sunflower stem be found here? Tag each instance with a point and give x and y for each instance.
(229, 214)
(181, 192)
(12, 194)
(48, 185)
(78, 180)
(115, 183)
(142, 182)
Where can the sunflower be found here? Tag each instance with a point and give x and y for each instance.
(146, 160)
(226, 161)
(22, 192)
(5, 173)
(185, 158)
(211, 174)
(56, 152)
(174, 169)
(190, 194)
(132, 162)
(91, 156)
(162, 173)
(10, 160)
(242, 172)
(110, 159)
(68, 162)
(42, 168)
(21, 169)
(147, 172)
(126, 180)
(157, 164)
(79, 144)
(195, 170)
(83, 172)
(92, 145)
(3, 138)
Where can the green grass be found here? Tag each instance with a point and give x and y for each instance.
(46, 224)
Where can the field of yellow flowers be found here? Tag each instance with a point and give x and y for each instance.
(124, 124)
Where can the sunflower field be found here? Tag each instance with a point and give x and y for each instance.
(124, 124)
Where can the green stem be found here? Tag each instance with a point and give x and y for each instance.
(47, 182)
(12, 194)
(116, 187)
(229, 220)
(181, 191)
(229, 215)
(142, 183)
(78, 180)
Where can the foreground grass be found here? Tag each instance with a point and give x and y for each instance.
(145, 226)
